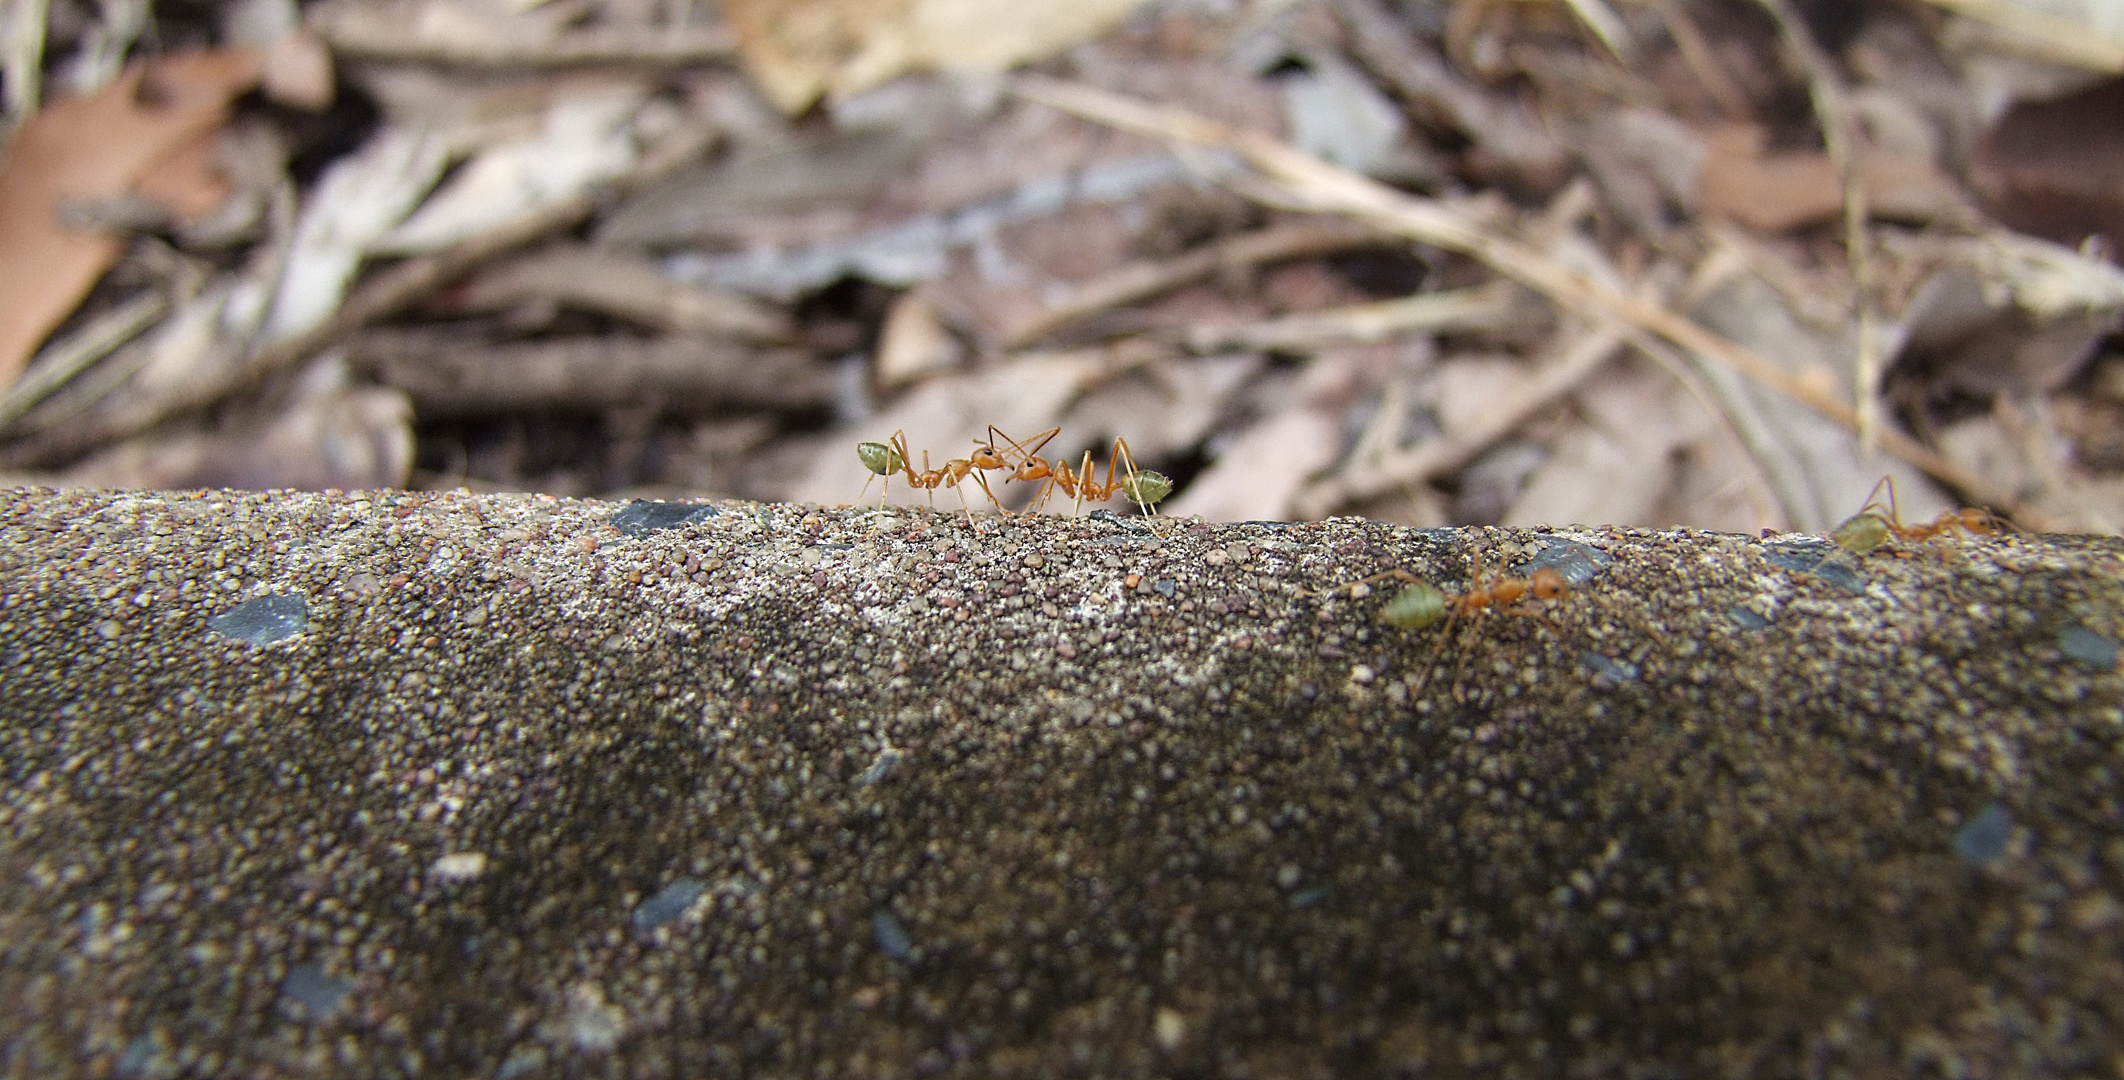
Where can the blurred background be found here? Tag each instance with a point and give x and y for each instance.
(676, 249)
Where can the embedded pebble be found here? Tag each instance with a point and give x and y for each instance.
(1608, 667)
(264, 621)
(640, 517)
(320, 994)
(459, 866)
(890, 936)
(594, 1026)
(669, 903)
(1746, 618)
(1982, 839)
(1169, 1028)
(880, 767)
(2088, 648)
(1578, 563)
(1818, 560)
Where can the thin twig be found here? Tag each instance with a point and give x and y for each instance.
(1840, 139)
(1720, 391)
(1141, 281)
(1696, 52)
(1329, 189)
(1429, 86)
(1582, 356)
(1458, 309)
(65, 359)
(364, 33)
(385, 293)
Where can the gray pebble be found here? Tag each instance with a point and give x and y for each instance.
(669, 903)
(1982, 839)
(264, 621)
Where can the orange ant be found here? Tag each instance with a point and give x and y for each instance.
(1144, 487)
(1421, 605)
(1868, 529)
(885, 458)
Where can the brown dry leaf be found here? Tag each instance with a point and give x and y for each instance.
(2051, 167)
(797, 50)
(914, 342)
(1263, 469)
(1613, 467)
(1775, 191)
(88, 148)
(188, 182)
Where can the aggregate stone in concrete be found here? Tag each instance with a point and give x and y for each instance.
(518, 787)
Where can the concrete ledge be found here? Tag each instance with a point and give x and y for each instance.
(497, 788)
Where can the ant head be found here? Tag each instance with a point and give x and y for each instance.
(1861, 532)
(879, 458)
(1415, 607)
(988, 457)
(1980, 522)
(1548, 583)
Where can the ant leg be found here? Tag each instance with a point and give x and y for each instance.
(1085, 483)
(990, 492)
(1397, 572)
(1477, 586)
(1024, 452)
(1437, 651)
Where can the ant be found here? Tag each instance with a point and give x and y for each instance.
(1869, 528)
(1144, 487)
(885, 458)
(1421, 605)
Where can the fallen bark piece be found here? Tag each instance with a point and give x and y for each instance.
(526, 787)
(447, 377)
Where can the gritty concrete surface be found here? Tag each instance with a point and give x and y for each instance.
(454, 786)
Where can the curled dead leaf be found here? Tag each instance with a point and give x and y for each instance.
(92, 148)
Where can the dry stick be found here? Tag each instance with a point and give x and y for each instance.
(1428, 85)
(1696, 53)
(1833, 110)
(1142, 281)
(70, 357)
(1329, 189)
(356, 32)
(1477, 306)
(1438, 456)
(385, 293)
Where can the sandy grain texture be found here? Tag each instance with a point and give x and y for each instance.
(784, 792)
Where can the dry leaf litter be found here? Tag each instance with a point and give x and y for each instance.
(1643, 262)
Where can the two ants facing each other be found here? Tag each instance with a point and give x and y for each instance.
(1020, 461)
